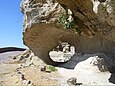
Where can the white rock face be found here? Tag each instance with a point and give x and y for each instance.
(95, 5)
(60, 56)
(89, 69)
(39, 11)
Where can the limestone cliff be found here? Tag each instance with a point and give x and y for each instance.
(95, 18)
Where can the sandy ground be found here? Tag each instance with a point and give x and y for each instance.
(7, 70)
(10, 77)
(80, 66)
(7, 56)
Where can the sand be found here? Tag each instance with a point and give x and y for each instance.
(80, 66)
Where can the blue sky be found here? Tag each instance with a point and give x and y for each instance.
(11, 23)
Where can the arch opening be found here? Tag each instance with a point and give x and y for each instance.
(62, 53)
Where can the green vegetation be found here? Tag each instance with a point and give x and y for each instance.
(52, 68)
(62, 21)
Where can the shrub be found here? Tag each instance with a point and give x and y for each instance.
(52, 68)
(62, 21)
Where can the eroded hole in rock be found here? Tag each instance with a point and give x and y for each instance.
(62, 53)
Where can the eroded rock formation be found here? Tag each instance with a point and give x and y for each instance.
(95, 18)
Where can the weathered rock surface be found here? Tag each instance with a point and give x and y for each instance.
(89, 69)
(72, 81)
(95, 17)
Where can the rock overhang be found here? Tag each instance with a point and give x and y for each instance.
(41, 33)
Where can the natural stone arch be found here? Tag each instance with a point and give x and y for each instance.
(63, 52)
(42, 40)
(41, 34)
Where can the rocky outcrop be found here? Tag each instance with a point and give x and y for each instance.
(72, 81)
(98, 15)
(86, 68)
(95, 18)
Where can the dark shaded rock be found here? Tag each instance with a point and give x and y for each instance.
(72, 81)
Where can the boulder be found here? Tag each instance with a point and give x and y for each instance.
(41, 33)
(72, 81)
